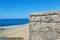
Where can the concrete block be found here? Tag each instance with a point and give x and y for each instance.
(56, 18)
(35, 25)
(46, 19)
(45, 25)
(32, 18)
(37, 18)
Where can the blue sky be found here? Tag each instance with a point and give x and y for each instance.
(22, 8)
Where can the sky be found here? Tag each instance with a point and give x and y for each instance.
(16, 9)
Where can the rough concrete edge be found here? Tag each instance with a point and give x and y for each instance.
(45, 13)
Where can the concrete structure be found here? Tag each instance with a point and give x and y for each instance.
(45, 25)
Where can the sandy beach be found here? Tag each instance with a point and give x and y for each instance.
(19, 31)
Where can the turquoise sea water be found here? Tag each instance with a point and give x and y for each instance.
(8, 22)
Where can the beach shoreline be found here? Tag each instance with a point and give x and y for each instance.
(16, 31)
(14, 26)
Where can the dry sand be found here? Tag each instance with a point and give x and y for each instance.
(22, 31)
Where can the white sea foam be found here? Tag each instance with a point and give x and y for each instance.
(14, 26)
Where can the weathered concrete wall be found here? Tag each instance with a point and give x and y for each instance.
(45, 26)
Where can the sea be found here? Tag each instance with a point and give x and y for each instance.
(10, 22)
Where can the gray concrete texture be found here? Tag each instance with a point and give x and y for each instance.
(45, 25)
